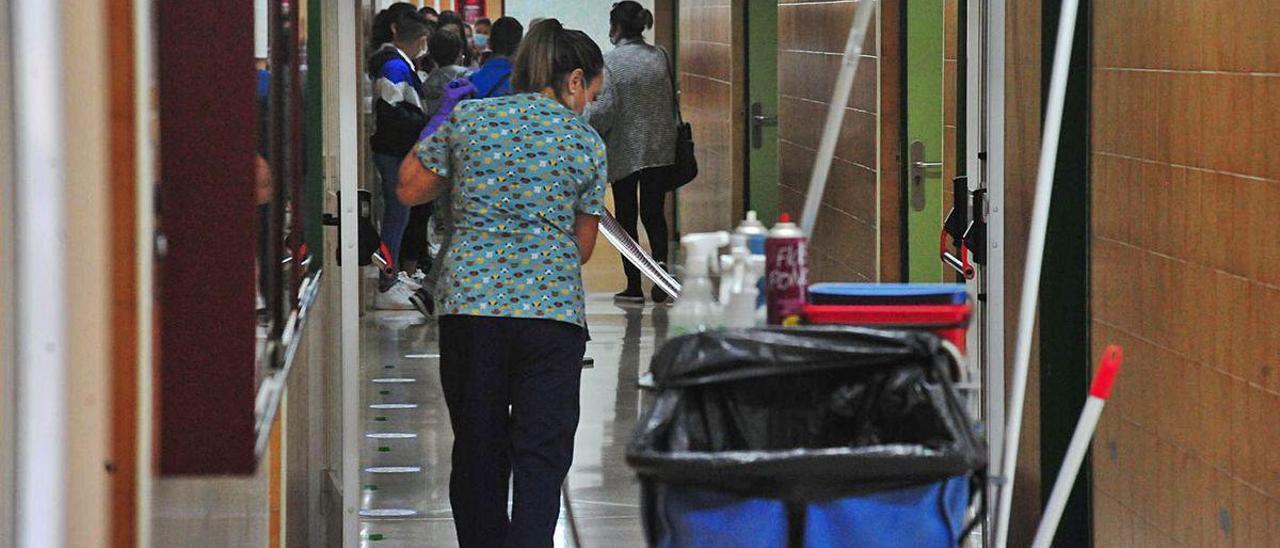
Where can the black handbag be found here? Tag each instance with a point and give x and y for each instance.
(685, 168)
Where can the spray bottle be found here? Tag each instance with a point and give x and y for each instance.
(756, 234)
(754, 231)
(739, 293)
(696, 309)
(786, 271)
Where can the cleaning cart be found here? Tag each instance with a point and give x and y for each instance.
(821, 436)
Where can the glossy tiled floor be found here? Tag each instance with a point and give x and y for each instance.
(405, 451)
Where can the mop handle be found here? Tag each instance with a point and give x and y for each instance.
(631, 250)
(835, 116)
(1112, 357)
(1036, 235)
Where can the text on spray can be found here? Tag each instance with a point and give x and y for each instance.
(786, 273)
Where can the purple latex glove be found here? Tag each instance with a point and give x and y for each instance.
(454, 92)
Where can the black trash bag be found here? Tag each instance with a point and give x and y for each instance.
(804, 414)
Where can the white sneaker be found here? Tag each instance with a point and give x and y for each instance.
(412, 281)
(396, 298)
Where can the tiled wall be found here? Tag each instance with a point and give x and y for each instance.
(811, 38)
(1186, 271)
(711, 80)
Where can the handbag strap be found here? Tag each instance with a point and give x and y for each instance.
(675, 91)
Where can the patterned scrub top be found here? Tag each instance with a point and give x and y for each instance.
(520, 168)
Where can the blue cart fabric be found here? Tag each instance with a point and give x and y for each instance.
(810, 437)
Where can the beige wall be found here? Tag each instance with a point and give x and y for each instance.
(711, 82)
(1186, 271)
(88, 262)
(811, 39)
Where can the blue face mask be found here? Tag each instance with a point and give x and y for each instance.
(481, 40)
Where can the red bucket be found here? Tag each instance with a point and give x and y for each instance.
(950, 321)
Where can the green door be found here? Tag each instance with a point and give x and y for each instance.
(924, 138)
(762, 108)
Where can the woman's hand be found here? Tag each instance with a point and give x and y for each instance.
(418, 185)
(585, 229)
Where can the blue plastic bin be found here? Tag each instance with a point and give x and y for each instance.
(886, 294)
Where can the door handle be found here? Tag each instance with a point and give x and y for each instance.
(918, 167)
(758, 123)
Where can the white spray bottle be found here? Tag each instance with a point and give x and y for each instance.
(739, 290)
(697, 310)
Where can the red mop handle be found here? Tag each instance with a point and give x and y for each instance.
(1112, 357)
(1080, 441)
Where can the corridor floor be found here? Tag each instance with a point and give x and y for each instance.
(406, 438)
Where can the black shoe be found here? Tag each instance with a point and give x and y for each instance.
(630, 295)
(423, 302)
(659, 296)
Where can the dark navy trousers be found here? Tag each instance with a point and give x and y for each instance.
(512, 389)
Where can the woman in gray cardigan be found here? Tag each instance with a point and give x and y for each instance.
(635, 114)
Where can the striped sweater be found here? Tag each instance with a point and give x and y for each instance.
(398, 107)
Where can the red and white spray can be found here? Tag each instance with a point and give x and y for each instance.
(786, 272)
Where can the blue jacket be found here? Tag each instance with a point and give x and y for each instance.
(398, 106)
(493, 79)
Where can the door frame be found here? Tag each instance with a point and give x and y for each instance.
(346, 78)
(1064, 313)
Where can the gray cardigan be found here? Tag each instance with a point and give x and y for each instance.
(634, 112)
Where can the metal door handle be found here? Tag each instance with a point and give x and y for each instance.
(918, 166)
(758, 123)
(764, 120)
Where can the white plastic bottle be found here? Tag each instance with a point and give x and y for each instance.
(739, 291)
(697, 309)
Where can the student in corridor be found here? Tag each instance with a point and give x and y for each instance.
(636, 116)
(527, 181)
(494, 77)
(400, 118)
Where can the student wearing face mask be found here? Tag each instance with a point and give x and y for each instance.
(636, 116)
(482, 30)
(400, 118)
(494, 77)
(527, 179)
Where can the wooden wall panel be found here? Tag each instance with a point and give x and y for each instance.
(1186, 272)
(124, 275)
(712, 86)
(1022, 151)
(811, 39)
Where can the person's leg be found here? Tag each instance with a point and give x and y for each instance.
(395, 215)
(627, 208)
(544, 417)
(474, 377)
(415, 238)
(653, 213)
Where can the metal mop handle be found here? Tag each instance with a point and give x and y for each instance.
(1035, 261)
(631, 250)
(835, 116)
